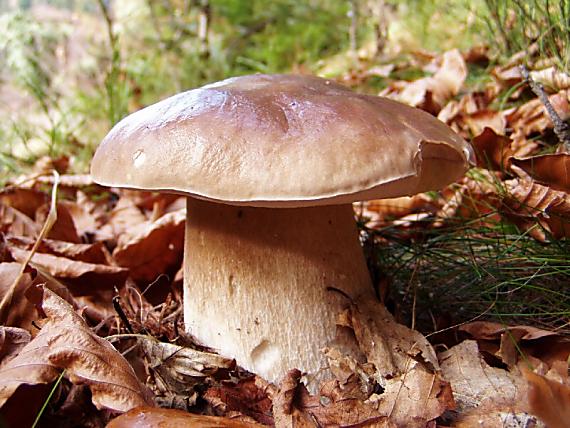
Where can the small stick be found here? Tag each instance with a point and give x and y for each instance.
(561, 128)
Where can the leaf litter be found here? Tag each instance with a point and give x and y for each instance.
(110, 249)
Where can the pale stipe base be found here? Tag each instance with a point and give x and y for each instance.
(259, 283)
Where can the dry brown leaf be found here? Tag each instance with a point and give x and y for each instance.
(509, 75)
(400, 360)
(124, 216)
(294, 407)
(432, 93)
(552, 78)
(544, 346)
(61, 267)
(64, 228)
(66, 343)
(12, 340)
(88, 216)
(247, 400)
(25, 200)
(472, 199)
(552, 170)
(180, 369)
(385, 209)
(549, 400)
(148, 417)
(88, 253)
(13, 222)
(528, 203)
(477, 122)
(532, 116)
(485, 396)
(493, 150)
(22, 312)
(390, 346)
(152, 248)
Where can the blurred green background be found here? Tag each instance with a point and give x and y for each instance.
(70, 69)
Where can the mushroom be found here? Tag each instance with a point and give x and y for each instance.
(271, 165)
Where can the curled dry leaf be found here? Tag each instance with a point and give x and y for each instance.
(16, 223)
(552, 170)
(485, 396)
(124, 216)
(546, 347)
(66, 343)
(22, 312)
(528, 203)
(548, 399)
(532, 116)
(178, 369)
(400, 360)
(145, 417)
(64, 227)
(152, 248)
(388, 345)
(247, 400)
(552, 78)
(493, 150)
(25, 200)
(432, 93)
(471, 199)
(88, 253)
(61, 267)
(12, 340)
(294, 407)
(385, 209)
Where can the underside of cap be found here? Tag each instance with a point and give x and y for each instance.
(280, 141)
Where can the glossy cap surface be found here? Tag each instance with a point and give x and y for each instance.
(282, 141)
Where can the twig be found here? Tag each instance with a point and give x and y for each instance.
(48, 224)
(561, 128)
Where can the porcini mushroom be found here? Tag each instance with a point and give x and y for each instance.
(271, 165)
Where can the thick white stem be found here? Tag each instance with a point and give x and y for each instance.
(264, 286)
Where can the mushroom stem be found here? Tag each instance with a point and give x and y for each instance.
(264, 286)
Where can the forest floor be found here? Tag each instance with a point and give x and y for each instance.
(91, 282)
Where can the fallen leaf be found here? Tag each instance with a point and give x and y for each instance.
(151, 248)
(552, 170)
(493, 150)
(25, 200)
(293, 406)
(475, 199)
(122, 217)
(22, 312)
(180, 369)
(145, 417)
(549, 400)
(529, 203)
(551, 78)
(13, 222)
(485, 396)
(66, 343)
(389, 346)
(12, 340)
(479, 121)
(61, 267)
(244, 398)
(64, 227)
(88, 253)
(532, 116)
(432, 93)
(548, 347)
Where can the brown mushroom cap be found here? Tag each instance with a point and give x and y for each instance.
(280, 141)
